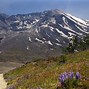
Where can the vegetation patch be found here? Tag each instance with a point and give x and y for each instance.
(44, 74)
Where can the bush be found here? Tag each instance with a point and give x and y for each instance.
(63, 59)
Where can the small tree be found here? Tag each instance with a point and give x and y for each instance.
(86, 41)
(77, 44)
(73, 45)
(63, 59)
(82, 45)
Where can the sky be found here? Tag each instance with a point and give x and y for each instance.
(78, 8)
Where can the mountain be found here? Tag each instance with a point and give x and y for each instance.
(41, 34)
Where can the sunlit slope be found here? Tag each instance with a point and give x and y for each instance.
(44, 73)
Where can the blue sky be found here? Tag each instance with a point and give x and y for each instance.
(79, 8)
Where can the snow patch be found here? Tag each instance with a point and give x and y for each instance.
(21, 23)
(47, 34)
(28, 26)
(58, 44)
(70, 29)
(17, 21)
(39, 40)
(71, 34)
(64, 19)
(29, 38)
(77, 22)
(53, 20)
(51, 28)
(49, 42)
(60, 25)
(62, 34)
(77, 19)
(66, 27)
(25, 22)
(27, 48)
(37, 20)
(44, 39)
(46, 25)
(37, 30)
(58, 40)
(81, 29)
(19, 27)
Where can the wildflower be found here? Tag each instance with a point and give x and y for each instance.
(78, 76)
(71, 75)
(62, 78)
(66, 75)
(68, 80)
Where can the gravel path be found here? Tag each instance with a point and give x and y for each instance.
(5, 67)
(3, 83)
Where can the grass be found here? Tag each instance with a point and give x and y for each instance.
(44, 73)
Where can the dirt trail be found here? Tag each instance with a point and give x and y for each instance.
(5, 67)
(3, 83)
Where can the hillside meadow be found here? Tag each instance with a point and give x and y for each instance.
(43, 74)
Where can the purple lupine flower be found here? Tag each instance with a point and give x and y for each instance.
(71, 75)
(66, 75)
(62, 78)
(78, 76)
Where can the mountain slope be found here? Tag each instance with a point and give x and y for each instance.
(42, 34)
(44, 74)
